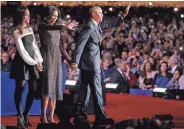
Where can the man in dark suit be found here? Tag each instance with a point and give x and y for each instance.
(87, 56)
(119, 77)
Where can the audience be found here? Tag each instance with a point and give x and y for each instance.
(5, 64)
(174, 81)
(162, 78)
(146, 82)
(137, 47)
(181, 82)
(119, 77)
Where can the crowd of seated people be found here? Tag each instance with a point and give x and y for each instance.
(143, 52)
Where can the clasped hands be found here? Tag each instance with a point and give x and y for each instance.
(39, 67)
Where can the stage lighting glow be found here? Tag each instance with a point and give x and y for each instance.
(181, 48)
(68, 16)
(110, 9)
(105, 12)
(150, 3)
(34, 3)
(182, 15)
(61, 4)
(176, 9)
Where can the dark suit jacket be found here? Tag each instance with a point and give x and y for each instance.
(122, 83)
(87, 49)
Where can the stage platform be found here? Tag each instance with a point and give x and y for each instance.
(124, 106)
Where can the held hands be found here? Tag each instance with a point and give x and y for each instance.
(71, 25)
(127, 10)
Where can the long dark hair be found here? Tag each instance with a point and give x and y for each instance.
(160, 72)
(48, 12)
(145, 68)
(19, 16)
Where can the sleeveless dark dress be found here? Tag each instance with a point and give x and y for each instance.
(20, 69)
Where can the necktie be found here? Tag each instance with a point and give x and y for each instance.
(99, 28)
(124, 76)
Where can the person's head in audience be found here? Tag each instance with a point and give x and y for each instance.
(70, 52)
(105, 63)
(147, 67)
(116, 61)
(181, 82)
(153, 62)
(146, 56)
(163, 69)
(4, 57)
(65, 45)
(177, 73)
(173, 61)
(124, 55)
(72, 46)
(166, 56)
(122, 65)
(11, 50)
(135, 62)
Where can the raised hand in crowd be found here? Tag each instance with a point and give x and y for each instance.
(127, 10)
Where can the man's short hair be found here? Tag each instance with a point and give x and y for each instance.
(121, 61)
(174, 59)
(91, 10)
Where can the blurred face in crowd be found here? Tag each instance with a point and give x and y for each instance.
(72, 47)
(70, 52)
(151, 60)
(124, 55)
(171, 61)
(106, 63)
(147, 67)
(135, 62)
(5, 57)
(122, 66)
(145, 56)
(65, 45)
(53, 17)
(176, 75)
(166, 58)
(163, 67)
(138, 54)
(97, 14)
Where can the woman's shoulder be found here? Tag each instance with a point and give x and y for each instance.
(16, 32)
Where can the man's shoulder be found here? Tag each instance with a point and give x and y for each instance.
(90, 24)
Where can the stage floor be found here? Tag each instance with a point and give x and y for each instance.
(123, 106)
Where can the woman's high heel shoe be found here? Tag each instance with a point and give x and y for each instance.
(43, 120)
(21, 123)
(27, 123)
(50, 120)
